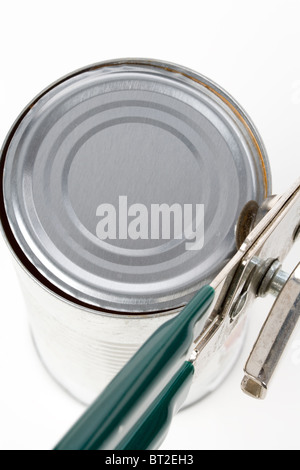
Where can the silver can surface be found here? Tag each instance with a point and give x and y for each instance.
(108, 178)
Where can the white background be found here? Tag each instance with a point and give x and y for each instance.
(252, 49)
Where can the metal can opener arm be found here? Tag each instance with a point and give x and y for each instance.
(135, 410)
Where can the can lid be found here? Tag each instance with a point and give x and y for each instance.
(95, 156)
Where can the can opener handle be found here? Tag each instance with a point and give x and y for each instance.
(137, 406)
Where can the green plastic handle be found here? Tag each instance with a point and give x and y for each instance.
(150, 431)
(116, 412)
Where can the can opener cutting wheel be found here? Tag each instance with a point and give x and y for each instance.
(136, 408)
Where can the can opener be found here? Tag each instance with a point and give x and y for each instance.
(136, 408)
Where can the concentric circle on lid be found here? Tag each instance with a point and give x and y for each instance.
(115, 142)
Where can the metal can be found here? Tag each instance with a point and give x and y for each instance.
(83, 170)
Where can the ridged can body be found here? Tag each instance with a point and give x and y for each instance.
(152, 132)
